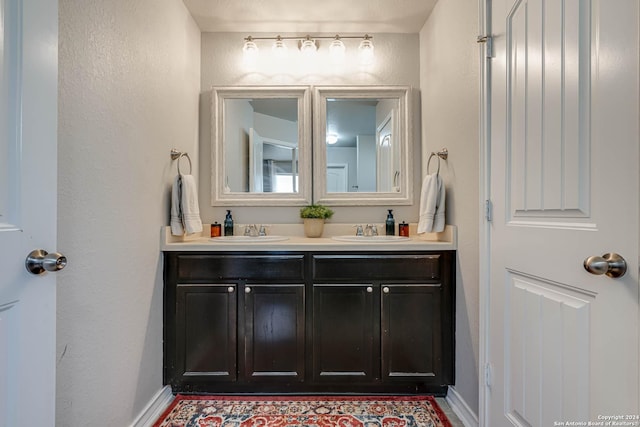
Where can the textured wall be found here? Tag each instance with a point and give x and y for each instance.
(449, 82)
(128, 92)
(396, 63)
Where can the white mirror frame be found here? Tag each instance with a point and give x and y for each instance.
(220, 197)
(403, 120)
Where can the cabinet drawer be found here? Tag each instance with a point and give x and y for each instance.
(376, 267)
(205, 268)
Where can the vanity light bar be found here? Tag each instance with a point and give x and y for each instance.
(308, 45)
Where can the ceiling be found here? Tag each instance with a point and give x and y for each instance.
(325, 16)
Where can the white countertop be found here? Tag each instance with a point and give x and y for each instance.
(296, 241)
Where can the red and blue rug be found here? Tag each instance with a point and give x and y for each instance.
(304, 411)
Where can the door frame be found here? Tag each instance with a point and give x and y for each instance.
(484, 206)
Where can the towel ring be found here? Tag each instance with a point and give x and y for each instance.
(429, 162)
(177, 155)
(442, 154)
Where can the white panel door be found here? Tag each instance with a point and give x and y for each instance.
(28, 175)
(337, 177)
(562, 343)
(256, 157)
(386, 156)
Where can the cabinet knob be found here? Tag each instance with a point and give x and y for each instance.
(247, 290)
(369, 289)
(230, 289)
(385, 289)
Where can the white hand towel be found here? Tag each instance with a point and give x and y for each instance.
(185, 212)
(438, 221)
(432, 197)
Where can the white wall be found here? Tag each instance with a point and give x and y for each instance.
(275, 128)
(450, 86)
(396, 63)
(128, 93)
(238, 124)
(366, 162)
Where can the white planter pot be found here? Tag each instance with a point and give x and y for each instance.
(313, 227)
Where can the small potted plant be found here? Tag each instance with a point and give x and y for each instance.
(313, 217)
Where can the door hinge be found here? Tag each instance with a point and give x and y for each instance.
(487, 40)
(488, 210)
(488, 375)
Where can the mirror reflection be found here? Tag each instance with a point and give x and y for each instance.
(362, 145)
(261, 145)
(363, 153)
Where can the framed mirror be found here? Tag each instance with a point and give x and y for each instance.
(261, 146)
(362, 145)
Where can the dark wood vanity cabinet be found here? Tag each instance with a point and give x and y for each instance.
(205, 331)
(233, 320)
(308, 322)
(384, 320)
(273, 333)
(345, 334)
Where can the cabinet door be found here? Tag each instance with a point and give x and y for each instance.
(206, 333)
(344, 333)
(411, 333)
(274, 332)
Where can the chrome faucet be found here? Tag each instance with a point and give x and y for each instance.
(253, 230)
(250, 230)
(359, 230)
(371, 230)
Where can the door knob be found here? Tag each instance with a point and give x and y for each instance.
(611, 264)
(38, 261)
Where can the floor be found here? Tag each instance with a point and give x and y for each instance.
(455, 421)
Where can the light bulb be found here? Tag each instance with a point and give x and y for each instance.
(250, 51)
(332, 138)
(366, 50)
(336, 50)
(279, 48)
(308, 47)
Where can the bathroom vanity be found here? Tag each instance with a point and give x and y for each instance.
(309, 316)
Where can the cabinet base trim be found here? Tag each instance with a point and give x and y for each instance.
(333, 388)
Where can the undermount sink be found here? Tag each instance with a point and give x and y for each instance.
(248, 239)
(371, 239)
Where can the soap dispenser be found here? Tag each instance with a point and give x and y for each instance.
(390, 224)
(228, 224)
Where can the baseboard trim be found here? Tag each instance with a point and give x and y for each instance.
(461, 409)
(154, 408)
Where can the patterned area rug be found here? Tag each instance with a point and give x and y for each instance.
(290, 411)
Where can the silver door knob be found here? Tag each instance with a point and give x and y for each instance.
(38, 261)
(611, 264)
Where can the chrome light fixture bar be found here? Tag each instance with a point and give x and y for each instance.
(308, 46)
